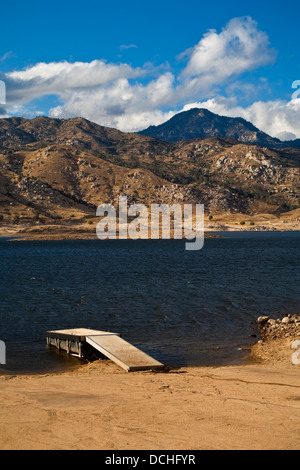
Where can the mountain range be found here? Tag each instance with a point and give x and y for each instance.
(55, 170)
(201, 123)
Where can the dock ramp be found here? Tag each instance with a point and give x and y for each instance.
(110, 345)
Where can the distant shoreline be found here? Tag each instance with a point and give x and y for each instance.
(82, 232)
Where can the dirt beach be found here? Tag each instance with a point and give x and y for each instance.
(255, 405)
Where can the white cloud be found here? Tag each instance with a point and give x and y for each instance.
(63, 78)
(6, 56)
(128, 46)
(238, 48)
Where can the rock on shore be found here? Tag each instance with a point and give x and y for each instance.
(277, 337)
(288, 326)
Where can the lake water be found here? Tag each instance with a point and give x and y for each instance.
(182, 307)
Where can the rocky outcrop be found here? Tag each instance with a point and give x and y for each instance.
(288, 326)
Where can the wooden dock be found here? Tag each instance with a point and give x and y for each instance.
(82, 342)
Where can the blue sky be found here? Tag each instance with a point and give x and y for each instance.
(129, 64)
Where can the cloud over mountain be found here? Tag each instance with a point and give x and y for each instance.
(132, 98)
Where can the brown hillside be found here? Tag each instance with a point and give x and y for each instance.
(61, 170)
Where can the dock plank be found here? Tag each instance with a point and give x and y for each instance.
(78, 334)
(123, 353)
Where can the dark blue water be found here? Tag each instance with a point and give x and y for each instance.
(182, 307)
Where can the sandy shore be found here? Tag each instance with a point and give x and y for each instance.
(99, 406)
